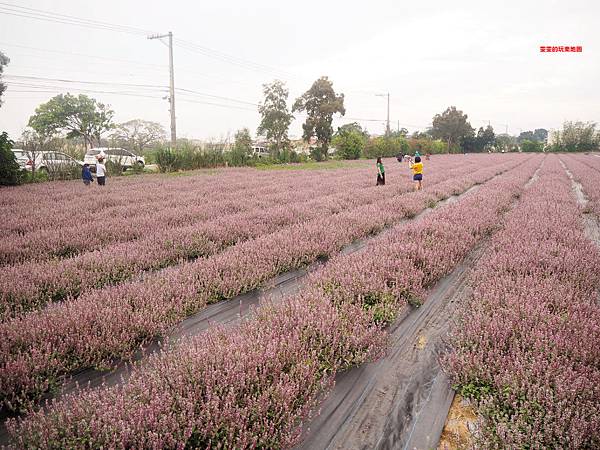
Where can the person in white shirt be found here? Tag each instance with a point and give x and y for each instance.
(101, 172)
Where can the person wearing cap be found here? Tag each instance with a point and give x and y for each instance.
(86, 175)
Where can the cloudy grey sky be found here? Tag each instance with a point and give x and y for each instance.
(482, 57)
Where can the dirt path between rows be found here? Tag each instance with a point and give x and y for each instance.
(592, 227)
(402, 400)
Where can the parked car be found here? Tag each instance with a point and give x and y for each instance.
(117, 155)
(52, 162)
(21, 157)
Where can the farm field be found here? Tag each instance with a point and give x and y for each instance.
(486, 282)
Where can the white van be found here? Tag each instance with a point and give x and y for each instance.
(50, 161)
(261, 152)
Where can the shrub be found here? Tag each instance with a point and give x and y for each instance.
(424, 145)
(532, 146)
(114, 168)
(385, 147)
(9, 169)
(167, 160)
(349, 144)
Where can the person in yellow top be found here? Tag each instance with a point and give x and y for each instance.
(417, 170)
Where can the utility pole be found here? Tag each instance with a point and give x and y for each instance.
(171, 86)
(387, 127)
(388, 115)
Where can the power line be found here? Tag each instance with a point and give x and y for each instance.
(157, 67)
(106, 58)
(61, 80)
(246, 64)
(38, 14)
(143, 87)
(32, 13)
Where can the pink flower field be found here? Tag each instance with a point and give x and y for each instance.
(87, 291)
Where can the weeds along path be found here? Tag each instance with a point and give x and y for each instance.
(111, 324)
(251, 385)
(400, 401)
(31, 285)
(172, 209)
(525, 347)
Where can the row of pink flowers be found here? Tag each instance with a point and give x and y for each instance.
(111, 323)
(252, 385)
(526, 345)
(31, 285)
(137, 219)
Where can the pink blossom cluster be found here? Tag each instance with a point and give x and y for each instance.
(252, 385)
(526, 344)
(104, 324)
(29, 286)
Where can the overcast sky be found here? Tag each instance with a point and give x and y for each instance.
(483, 58)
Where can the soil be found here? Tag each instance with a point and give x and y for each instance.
(592, 226)
(459, 426)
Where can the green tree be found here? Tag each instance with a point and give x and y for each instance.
(350, 141)
(353, 126)
(276, 118)
(426, 145)
(505, 142)
(526, 136)
(9, 168)
(576, 137)
(3, 62)
(402, 132)
(34, 143)
(386, 146)
(138, 135)
(532, 146)
(242, 148)
(77, 116)
(320, 103)
(452, 126)
(540, 134)
(485, 138)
